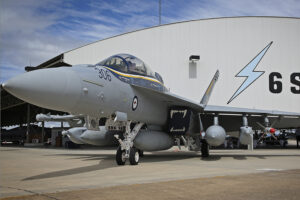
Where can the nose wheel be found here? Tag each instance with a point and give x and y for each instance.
(120, 156)
(134, 156)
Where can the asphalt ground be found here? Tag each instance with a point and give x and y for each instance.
(41, 173)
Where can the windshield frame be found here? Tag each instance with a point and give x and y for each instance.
(148, 72)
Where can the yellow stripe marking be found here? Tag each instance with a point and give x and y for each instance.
(134, 76)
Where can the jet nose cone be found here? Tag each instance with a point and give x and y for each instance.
(56, 88)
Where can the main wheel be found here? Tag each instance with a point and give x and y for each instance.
(204, 149)
(120, 156)
(134, 156)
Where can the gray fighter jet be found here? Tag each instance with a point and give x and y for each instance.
(133, 99)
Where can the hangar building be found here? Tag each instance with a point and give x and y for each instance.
(226, 44)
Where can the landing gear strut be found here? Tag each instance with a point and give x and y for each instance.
(126, 150)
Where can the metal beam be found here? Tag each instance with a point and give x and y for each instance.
(14, 105)
(28, 123)
(43, 132)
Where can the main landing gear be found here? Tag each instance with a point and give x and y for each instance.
(126, 150)
(204, 148)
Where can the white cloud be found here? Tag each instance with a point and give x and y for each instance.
(25, 39)
(129, 7)
(228, 8)
(20, 16)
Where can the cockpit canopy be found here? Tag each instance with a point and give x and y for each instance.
(129, 64)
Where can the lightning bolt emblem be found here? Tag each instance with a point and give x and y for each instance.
(249, 72)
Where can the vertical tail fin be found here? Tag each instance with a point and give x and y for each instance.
(209, 90)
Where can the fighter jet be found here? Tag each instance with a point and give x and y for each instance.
(133, 99)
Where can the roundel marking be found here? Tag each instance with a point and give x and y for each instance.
(135, 103)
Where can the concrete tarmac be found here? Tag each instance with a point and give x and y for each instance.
(41, 171)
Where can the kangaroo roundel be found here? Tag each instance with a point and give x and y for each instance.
(134, 103)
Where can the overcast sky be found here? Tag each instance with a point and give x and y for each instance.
(33, 31)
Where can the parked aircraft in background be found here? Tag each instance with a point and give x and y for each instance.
(132, 99)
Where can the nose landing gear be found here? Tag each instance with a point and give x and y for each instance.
(134, 156)
(126, 150)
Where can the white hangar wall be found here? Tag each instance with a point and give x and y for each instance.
(227, 44)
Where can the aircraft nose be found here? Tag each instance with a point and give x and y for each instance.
(55, 88)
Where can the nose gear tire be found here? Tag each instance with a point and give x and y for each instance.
(120, 156)
(134, 156)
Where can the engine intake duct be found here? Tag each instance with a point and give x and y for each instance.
(179, 120)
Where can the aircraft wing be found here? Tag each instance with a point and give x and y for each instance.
(230, 117)
(171, 99)
(175, 100)
(235, 110)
